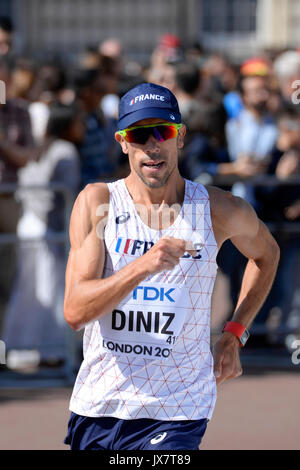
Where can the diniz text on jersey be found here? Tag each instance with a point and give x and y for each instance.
(139, 247)
(149, 322)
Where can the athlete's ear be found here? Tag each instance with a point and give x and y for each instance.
(181, 134)
(119, 138)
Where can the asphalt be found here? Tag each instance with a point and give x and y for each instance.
(259, 410)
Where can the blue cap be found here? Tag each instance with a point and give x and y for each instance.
(148, 101)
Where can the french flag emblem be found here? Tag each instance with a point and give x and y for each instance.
(131, 102)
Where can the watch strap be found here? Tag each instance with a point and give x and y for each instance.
(239, 330)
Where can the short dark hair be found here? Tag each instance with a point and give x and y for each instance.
(210, 119)
(60, 118)
(52, 76)
(6, 24)
(187, 76)
(83, 78)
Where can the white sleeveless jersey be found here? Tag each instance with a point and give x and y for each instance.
(150, 357)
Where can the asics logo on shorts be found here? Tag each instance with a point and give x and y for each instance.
(158, 438)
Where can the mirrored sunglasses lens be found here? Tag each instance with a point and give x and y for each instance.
(138, 136)
(141, 135)
(166, 132)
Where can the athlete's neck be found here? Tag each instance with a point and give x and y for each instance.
(171, 193)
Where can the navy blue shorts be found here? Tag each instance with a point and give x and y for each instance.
(106, 433)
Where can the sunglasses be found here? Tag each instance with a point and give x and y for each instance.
(140, 134)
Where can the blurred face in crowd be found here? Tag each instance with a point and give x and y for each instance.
(21, 82)
(255, 93)
(5, 42)
(289, 133)
(77, 129)
(229, 78)
(93, 94)
(164, 76)
(165, 154)
(5, 76)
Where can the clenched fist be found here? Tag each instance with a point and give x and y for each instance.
(165, 254)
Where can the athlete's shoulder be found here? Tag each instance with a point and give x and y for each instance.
(86, 211)
(230, 213)
(94, 194)
(221, 199)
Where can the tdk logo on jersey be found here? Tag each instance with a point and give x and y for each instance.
(153, 293)
(148, 96)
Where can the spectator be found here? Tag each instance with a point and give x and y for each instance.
(253, 134)
(34, 318)
(48, 87)
(205, 149)
(164, 75)
(212, 70)
(127, 71)
(98, 146)
(90, 58)
(251, 138)
(281, 204)
(6, 33)
(16, 150)
(112, 48)
(23, 76)
(111, 80)
(168, 51)
(194, 52)
(232, 99)
(187, 77)
(287, 71)
(277, 203)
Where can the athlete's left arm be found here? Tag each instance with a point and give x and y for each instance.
(233, 218)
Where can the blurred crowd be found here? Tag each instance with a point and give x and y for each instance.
(57, 127)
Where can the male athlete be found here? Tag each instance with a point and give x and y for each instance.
(140, 276)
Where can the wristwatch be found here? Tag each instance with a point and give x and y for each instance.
(239, 330)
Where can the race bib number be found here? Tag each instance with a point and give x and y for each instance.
(146, 323)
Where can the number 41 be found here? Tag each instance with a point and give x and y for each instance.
(171, 339)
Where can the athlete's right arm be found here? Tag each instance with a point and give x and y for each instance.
(87, 295)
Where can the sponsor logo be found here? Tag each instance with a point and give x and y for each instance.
(152, 293)
(172, 117)
(158, 438)
(147, 96)
(121, 219)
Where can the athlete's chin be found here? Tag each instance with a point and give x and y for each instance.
(154, 179)
(155, 182)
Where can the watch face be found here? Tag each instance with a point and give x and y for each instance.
(244, 337)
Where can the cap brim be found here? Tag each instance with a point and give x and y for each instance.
(147, 113)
